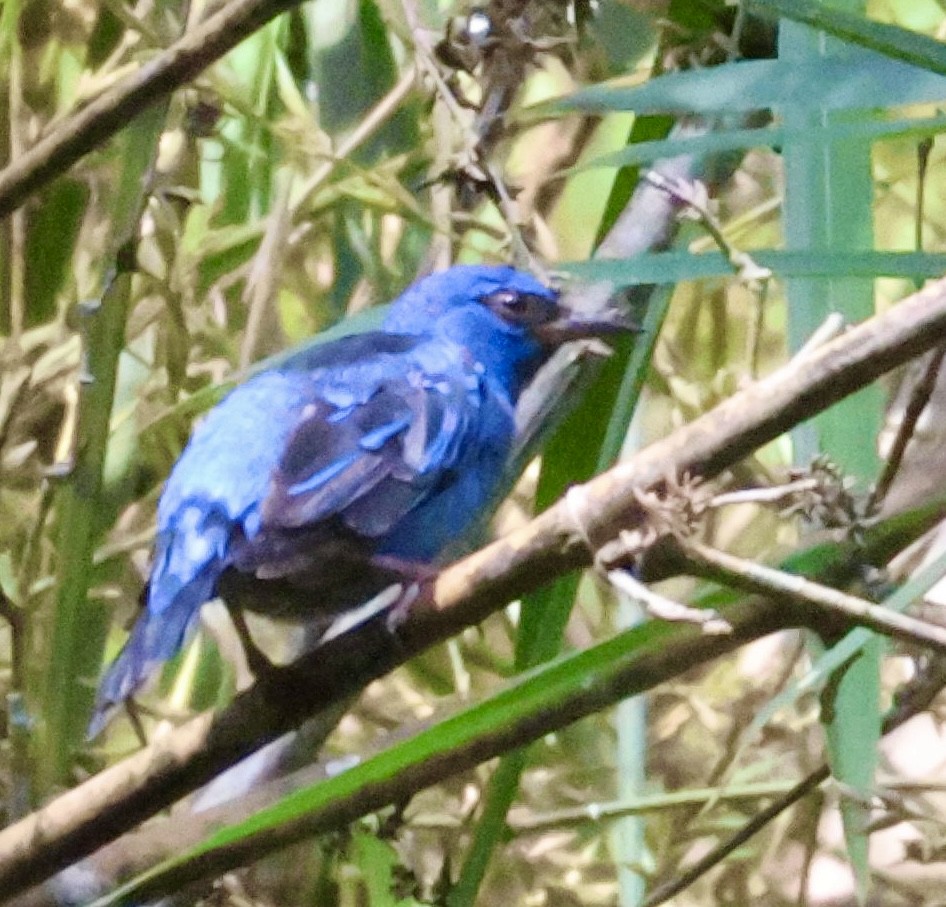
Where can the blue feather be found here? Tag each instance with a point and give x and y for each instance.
(387, 444)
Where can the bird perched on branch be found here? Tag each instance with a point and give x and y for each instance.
(314, 485)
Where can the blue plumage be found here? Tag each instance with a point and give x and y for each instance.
(353, 457)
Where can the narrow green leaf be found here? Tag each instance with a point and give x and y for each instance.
(770, 137)
(852, 719)
(863, 80)
(828, 206)
(80, 625)
(674, 267)
(545, 688)
(378, 863)
(52, 228)
(549, 685)
(891, 40)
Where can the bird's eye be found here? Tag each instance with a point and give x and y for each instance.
(520, 308)
(509, 300)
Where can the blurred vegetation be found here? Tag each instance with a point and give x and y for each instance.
(345, 148)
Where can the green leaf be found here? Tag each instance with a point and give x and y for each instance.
(354, 67)
(829, 207)
(546, 688)
(52, 229)
(891, 40)
(674, 267)
(863, 80)
(770, 137)
(81, 624)
(377, 861)
(852, 719)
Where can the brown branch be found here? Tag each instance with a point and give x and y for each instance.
(919, 399)
(813, 600)
(112, 110)
(142, 850)
(119, 798)
(663, 657)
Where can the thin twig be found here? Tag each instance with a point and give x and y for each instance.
(14, 617)
(923, 150)
(664, 892)
(16, 261)
(760, 295)
(663, 608)
(750, 576)
(265, 270)
(366, 128)
(830, 328)
(770, 494)
(522, 822)
(19, 724)
(919, 400)
(425, 57)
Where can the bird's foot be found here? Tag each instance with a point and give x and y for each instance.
(417, 580)
(415, 595)
(411, 571)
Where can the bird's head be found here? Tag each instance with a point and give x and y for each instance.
(508, 320)
(465, 288)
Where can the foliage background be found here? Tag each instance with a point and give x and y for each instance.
(313, 173)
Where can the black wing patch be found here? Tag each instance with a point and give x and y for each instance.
(370, 463)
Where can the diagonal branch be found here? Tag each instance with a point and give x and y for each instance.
(813, 600)
(641, 665)
(107, 114)
(119, 798)
(665, 653)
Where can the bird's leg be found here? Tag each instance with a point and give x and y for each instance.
(133, 710)
(257, 660)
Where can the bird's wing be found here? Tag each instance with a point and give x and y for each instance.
(369, 462)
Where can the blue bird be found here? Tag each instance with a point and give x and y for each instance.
(314, 485)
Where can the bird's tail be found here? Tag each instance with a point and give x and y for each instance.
(154, 639)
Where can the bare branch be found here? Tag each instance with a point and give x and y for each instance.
(919, 399)
(663, 608)
(642, 668)
(809, 596)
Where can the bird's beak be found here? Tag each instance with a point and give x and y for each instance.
(570, 325)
